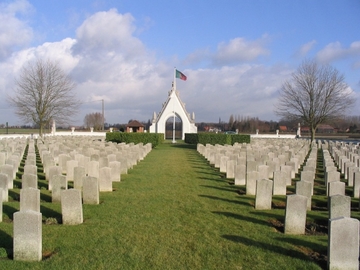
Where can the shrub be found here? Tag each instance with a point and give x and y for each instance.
(134, 137)
(214, 138)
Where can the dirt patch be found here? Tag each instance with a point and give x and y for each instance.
(277, 224)
(48, 254)
(311, 228)
(241, 191)
(317, 257)
(279, 205)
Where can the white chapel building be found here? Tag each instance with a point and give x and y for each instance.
(173, 109)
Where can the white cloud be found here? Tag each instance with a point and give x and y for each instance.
(109, 32)
(239, 50)
(108, 62)
(14, 32)
(248, 90)
(335, 51)
(304, 49)
(198, 57)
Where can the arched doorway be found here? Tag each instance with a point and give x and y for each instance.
(169, 126)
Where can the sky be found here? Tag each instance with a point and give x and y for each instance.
(236, 54)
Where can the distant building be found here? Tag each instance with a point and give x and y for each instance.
(135, 126)
(325, 129)
(283, 128)
(320, 129)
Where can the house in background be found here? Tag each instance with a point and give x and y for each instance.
(283, 129)
(325, 129)
(135, 126)
(321, 129)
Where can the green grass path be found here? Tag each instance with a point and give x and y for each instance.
(172, 211)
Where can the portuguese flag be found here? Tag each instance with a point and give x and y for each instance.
(180, 75)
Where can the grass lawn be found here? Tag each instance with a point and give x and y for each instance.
(172, 211)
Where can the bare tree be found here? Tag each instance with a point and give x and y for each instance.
(94, 120)
(43, 92)
(314, 95)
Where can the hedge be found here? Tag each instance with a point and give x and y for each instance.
(135, 137)
(215, 138)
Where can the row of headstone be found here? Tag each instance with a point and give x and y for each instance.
(343, 235)
(100, 170)
(347, 161)
(343, 231)
(278, 160)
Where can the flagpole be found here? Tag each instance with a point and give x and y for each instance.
(173, 141)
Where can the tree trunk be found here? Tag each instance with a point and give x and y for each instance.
(313, 131)
(41, 129)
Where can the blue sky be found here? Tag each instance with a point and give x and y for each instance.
(235, 53)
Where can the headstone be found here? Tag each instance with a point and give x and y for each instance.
(295, 214)
(71, 207)
(29, 181)
(343, 243)
(30, 169)
(9, 171)
(251, 166)
(70, 165)
(280, 178)
(332, 176)
(240, 174)
(263, 197)
(230, 169)
(356, 185)
(63, 158)
(339, 206)
(30, 199)
(335, 188)
(103, 162)
(351, 172)
(289, 170)
(4, 187)
(53, 170)
(59, 184)
(292, 164)
(111, 157)
(251, 178)
(105, 182)
(79, 173)
(304, 188)
(115, 171)
(263, 171)
(308, 176)
(93, 168)
(27, 242)
(273, 166)
(90, 190)
(94, 157)
(223, 161)
(2, 158)
(347, 165)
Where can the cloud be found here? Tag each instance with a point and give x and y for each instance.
(335, 51)
(239, 50)
(14, 32)
(246, 89)
(198, 57)
(108, 32)
(108, 62)
(304, 49)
